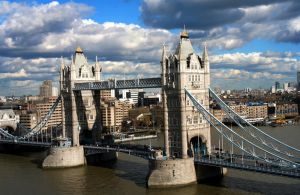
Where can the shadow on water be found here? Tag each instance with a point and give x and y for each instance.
(127, 169)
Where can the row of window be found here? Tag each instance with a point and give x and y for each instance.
(196, 77)
(194, 120)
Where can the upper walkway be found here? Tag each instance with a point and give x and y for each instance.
(119, 84)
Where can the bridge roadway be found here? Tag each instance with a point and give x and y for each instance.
(143, 151)
(248, 167)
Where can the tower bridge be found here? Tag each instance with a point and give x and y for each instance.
(187, 154)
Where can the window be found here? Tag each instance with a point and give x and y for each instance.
(91, 117)
(188, 61)
(195, 120)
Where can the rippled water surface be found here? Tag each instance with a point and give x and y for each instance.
(21, 174)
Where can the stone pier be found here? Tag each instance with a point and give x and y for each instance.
(171, 173)
(61, 157)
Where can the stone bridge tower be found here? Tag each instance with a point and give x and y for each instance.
(186, 131)
(185, 128)
(81, 109)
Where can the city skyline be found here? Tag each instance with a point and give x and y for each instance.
(251, 44)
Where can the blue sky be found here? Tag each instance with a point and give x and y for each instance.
(251, 43)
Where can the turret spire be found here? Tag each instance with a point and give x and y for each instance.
(97, 70)
(205, 53)
(62, 63)
(184, 33)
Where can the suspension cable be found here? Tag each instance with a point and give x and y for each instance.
(205, 113)
(215, 97)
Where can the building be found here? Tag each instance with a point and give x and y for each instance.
(257, 111)
(273, 89)
(28, 119)
(286, 110)
(106, 94)
(55, 91)
(218, 113)
(113, 113)
(277, 86)
(150, 99)
(43, 108)
(46, 89)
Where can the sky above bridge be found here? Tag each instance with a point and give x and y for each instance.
(251, 43)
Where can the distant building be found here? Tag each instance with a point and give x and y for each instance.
(277, 86)
(131, 95)
(247, 90)
(251, 110)
(43, 108)
(54, 91)
(286, 110)
(46, 89)
(106, 94)
(28, 119)
(114, 113)
(285, 86)
(150, 99)
(273, 90)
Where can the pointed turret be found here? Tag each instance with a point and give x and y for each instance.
(205, 58)
(97, 70)
(62, 63)
(78, 50)
(184, 48)
(164, 61)
(184, 33)
(73, 69)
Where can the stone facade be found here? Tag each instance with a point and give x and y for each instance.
(173, 172)
(81, 109)
(184, 69)
(60, 157)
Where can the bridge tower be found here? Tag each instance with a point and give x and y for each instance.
(184, 126)
(80, 110)
(186, 132)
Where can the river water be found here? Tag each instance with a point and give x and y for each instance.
(21, 174)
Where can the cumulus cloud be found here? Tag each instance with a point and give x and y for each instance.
(227, 24)
(283, 63)
(240, 70)
(59, 28)
(19, 74)
(33, 36)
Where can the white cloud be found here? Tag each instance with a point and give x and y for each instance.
(20, 74)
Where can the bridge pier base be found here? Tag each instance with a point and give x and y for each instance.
(205, 172)
(60, 157)
(171, 172)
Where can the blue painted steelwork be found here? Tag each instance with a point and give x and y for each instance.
(119, 84)
(221, 128)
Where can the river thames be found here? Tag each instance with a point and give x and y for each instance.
(21, 174)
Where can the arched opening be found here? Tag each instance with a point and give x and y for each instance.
(198, 146)
(9, 129)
